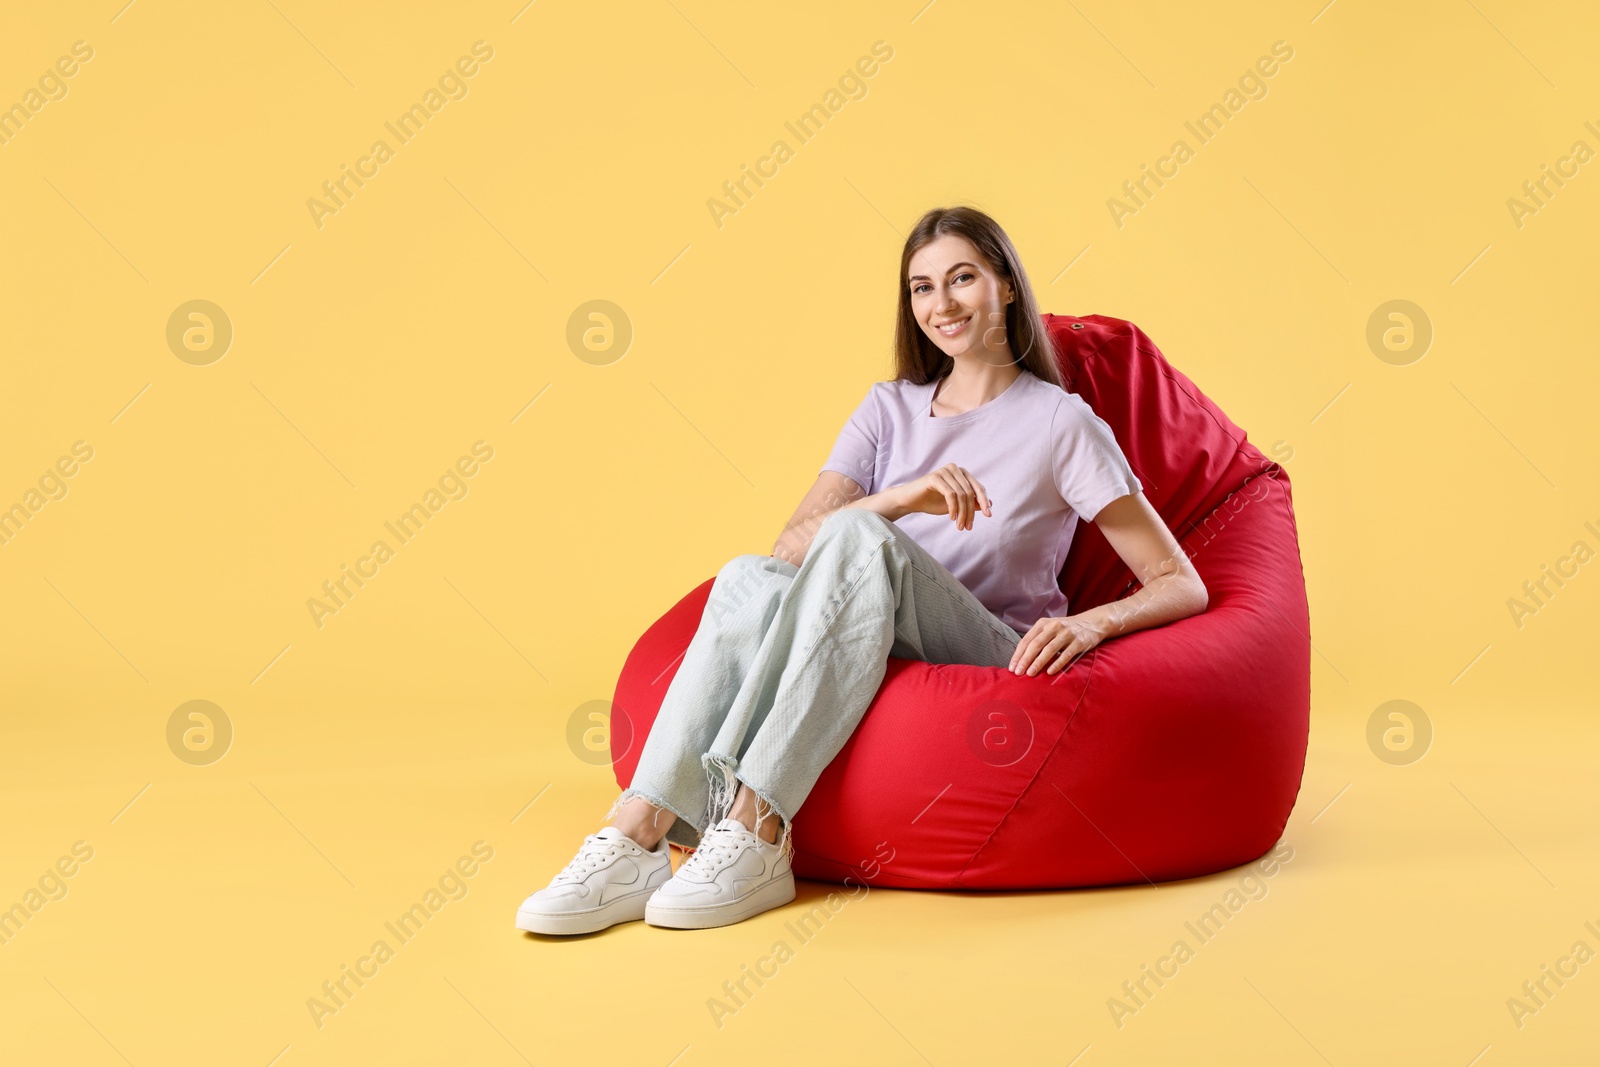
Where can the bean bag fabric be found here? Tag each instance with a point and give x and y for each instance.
(1163, 753)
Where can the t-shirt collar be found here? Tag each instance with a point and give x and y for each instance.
(928, 418)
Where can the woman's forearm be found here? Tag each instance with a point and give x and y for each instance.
(1166, 598)
(795, 541)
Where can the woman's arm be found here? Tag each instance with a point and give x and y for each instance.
(950, 490)
(1171, 587)
(831, 492)
(1171, 590)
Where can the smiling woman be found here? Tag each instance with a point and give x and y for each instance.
(959, 485)
(977, 381)
(1183, 743)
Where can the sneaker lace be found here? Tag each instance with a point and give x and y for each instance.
(595, 852)
(716, 850)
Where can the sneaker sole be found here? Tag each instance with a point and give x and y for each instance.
(621, 910)
(774, 894)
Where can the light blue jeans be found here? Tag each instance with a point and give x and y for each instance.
(786, 660)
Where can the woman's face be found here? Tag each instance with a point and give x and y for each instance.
(952, 284)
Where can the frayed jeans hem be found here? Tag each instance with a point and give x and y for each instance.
(682, 832)
(725, 780)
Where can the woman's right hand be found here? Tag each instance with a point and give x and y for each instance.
(949, 490)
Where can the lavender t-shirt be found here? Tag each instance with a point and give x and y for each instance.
(1043, 456)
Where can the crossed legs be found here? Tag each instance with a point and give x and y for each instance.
(783, 666)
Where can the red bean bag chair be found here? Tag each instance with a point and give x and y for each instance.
(1164, 753)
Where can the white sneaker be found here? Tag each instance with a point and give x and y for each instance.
(732, 875)
(609, 881)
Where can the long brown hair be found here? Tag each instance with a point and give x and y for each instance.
(916, 357)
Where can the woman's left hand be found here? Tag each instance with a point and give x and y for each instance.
(1051, 645)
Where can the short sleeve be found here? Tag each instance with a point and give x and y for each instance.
(855, 453)
(1090, 469)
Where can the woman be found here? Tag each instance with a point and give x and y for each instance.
(886, 556)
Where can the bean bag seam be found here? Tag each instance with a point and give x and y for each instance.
(1184, 530)
(1066, 726)
(1196, 521)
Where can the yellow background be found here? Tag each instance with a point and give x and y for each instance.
(368, 354)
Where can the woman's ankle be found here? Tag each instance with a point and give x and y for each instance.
(755, 815)
(643, 822)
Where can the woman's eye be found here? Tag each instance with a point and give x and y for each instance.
(924, 285)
